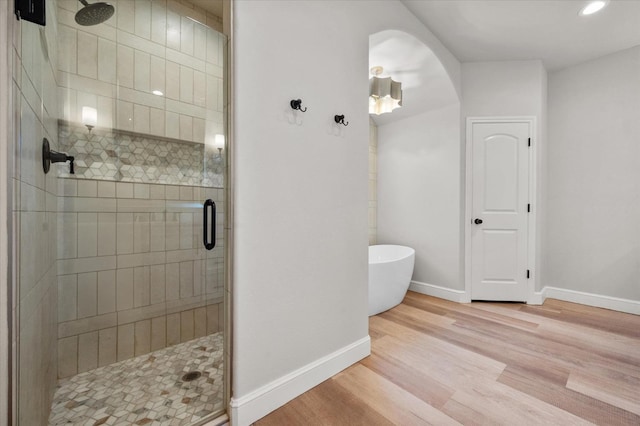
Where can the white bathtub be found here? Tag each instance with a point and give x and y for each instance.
(390, 271)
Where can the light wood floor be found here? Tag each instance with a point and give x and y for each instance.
(439, 362)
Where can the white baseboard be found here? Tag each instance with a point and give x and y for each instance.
(597, 300)
(257, 404)
(537, 298)
(614, 303)
(439, 292)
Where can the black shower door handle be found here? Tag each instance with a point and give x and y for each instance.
(209, 238)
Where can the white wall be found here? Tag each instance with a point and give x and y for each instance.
(593, 232)
(300, 250)
(419, 192)
(301, 233)
(512, 88)
(542, 182)
(502, 88)
(421, 166)
(373, 182)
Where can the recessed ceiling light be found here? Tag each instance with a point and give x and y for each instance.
(593, 7)
(157, 93)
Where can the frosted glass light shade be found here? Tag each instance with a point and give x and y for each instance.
(385, 95)
(218, 141)
(89, 116)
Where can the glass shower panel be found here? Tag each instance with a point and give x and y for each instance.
(35, 221)
(137, 299)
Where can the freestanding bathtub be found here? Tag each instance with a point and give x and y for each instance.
(390, 271)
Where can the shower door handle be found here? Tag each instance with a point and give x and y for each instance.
(209, 237)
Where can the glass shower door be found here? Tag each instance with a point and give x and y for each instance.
(123, 319)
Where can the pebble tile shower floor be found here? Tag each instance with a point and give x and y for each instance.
(146, 390)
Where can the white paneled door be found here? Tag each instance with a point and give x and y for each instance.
(500, 205)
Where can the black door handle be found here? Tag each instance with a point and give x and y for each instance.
(477, 221)
(209, 240)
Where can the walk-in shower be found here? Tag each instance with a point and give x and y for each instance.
(119, 298)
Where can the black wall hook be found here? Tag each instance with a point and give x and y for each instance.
(340, 120)
(297, 104)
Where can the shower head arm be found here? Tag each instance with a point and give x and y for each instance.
(84, 2)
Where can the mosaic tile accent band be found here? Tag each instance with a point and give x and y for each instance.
(147, 389)
(112, 155)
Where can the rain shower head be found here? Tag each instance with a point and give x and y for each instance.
(94, 14)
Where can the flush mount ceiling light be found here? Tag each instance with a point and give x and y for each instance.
(157, 93)
(593, 7)
(385, 95)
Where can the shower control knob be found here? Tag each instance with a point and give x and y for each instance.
(477, 221)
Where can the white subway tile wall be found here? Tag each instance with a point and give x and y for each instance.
(135, 272)
(36, 223)
(170, 46)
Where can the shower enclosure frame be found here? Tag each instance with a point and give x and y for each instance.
(9, 244)
(6, 236)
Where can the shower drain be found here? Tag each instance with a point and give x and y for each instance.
(191, 376)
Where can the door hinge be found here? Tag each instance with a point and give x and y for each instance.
(528, 208)
(529, 142)
(31, 10)
(527, 274)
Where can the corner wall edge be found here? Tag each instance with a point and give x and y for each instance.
(251, 407)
